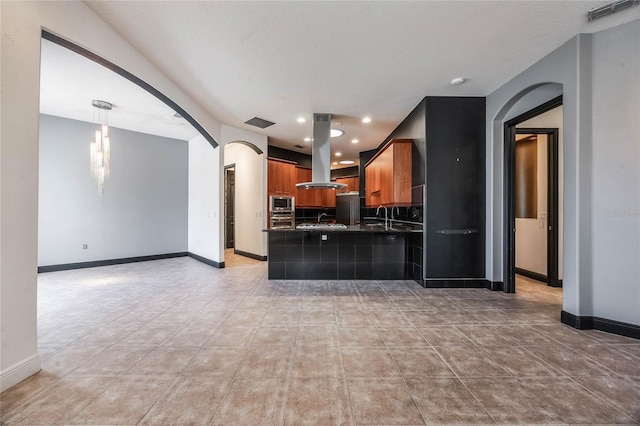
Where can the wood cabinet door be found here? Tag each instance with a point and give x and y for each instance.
(303, 196)
(328, 197)
(281, 178)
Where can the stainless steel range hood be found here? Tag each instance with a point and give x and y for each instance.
(321, 155)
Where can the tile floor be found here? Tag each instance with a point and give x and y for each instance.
(178, 342)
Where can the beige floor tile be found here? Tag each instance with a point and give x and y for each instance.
(572, 403)
(509, 402)
(60, 403)
(317, 361)
(124, 402)
(66, 360)
(253, 401)
(232, 336)
(279, 335)
(149, 334)
(377, 401)
(267, 361)
(419, 362)
(228, 319)
(447, 401)
(445, 335)
(359, 336)
(518, 361)
(189, 401)
(468, 361)
(405, 336)
(281, 316)
(318, 401)
(317, 335)
(164, 362)
(25, 390)
(215, 362)
(310, 316)
(621, 391)
(113, 362)
(360, 361)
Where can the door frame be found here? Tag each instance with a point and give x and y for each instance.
(509, 204)
(227, 169)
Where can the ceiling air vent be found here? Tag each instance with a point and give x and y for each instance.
(259, 122)
(299, 146)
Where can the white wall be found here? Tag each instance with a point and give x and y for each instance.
(21, 24)
(206, 225)
(143, 210)
(616, 174)
(553, 119)
(250, 188)
(600, 75)
(531, 233)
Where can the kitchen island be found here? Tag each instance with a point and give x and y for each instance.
(360, 252)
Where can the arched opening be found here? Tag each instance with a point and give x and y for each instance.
(244, 218)
(535, 233)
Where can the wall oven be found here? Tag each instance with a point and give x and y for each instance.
(282, 212)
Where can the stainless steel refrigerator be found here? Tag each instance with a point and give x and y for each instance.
(348, 208)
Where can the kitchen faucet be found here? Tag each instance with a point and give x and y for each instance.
(320, 216)
(385, 214)
(397, 211)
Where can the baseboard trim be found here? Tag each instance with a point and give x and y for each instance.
(453, 283)
(533, 275)
(494, 285)
(108, 262)
(601, 324)
(209, 262)
(250, 255)
(19, 372)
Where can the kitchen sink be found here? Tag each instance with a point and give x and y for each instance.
(313, 225)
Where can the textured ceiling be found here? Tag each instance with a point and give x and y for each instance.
(282, 60)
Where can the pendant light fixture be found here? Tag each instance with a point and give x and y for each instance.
(101, 147)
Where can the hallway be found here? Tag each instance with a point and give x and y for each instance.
(178, 342)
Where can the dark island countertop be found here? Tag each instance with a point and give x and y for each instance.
(363, 227)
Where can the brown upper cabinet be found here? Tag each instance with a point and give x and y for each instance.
(388, 175)
(307, 197)
(281, 177)
(353, 183)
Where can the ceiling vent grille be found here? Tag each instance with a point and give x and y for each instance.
(259, 122)
(299, 146)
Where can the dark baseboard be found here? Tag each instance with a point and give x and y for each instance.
(494, 285)
(601, 324)
(251, 255)
(96, 263)
(445, 283)
(533, 275)
(209, 262)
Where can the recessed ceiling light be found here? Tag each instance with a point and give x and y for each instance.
(354, 141)
(307, 139)
(366, 120)
(457, 81)
(301, 120)
(336, 133)
(338, 154)
(335, 163)
(347, 162)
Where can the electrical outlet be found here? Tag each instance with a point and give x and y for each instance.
(324, 238)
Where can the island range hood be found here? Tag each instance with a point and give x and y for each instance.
(321, 156)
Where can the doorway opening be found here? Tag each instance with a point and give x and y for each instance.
(533, 225)
(229, 205)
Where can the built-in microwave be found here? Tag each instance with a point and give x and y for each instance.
(281, 203)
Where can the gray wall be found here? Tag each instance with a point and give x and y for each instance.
(144, 207)
(616, 173)
(600, 76)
